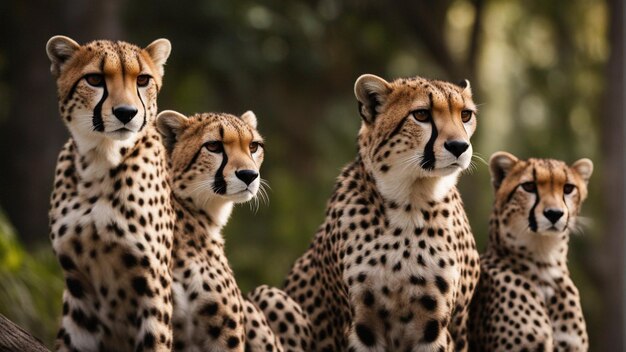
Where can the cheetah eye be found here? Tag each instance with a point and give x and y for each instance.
(421, 115)
(466, 115)
(95, 79)
(568, 188)
(529, 187)
(254, 147)
(143, 80)
(214, 146)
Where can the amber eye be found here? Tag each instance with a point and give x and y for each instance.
(568, 188)
(466, 115)
(214, 146)
(95, 79)
(529, 187)
(421, 115)
(143, 80)
(254, 147)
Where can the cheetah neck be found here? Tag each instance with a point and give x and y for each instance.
(406, 202)
(417, 192)
(97, 156)
(213, 212)
(540, 250)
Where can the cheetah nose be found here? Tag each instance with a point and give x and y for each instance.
(456, 147)
(125, 113)
(247, 176)
(553, 215)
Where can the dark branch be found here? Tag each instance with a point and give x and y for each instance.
(13, 338)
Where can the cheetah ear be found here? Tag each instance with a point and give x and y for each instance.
(371, 92)
(159, 50)
(500, 164)
(170, 124)
(465, 84)
(250, 118)
(584, 167)
(59, 49)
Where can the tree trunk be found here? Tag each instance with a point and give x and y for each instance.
(611, 337)
(13, 338)
(32, 135)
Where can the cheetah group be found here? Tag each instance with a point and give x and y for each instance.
(140, 199)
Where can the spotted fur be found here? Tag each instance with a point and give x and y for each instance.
(111, 219)
(215, 161)
(394, 264)
(526, 300)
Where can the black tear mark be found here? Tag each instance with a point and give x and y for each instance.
(428, 161)
(97, 122)
(145, 117)
(219, 184)
(532, 220)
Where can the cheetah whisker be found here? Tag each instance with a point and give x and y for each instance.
(480, 158)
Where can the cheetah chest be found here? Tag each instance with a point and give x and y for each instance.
(403, 269)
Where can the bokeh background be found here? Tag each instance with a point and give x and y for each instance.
(548, 77)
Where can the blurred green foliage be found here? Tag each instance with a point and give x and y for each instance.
(31, 285)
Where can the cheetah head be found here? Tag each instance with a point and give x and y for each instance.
(214, 157)
(414, 128)
(107, 90)
(537, 196)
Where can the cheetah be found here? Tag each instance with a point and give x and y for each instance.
(111, 220)
(526, 300)
(214, 163)
(394, 265)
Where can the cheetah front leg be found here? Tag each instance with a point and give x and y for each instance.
(443, 343)
(289, 322)
(80, 330)
(154, 312)
(259, 335)
(458, 329)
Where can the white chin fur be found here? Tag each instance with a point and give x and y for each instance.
(240, 197)
(120, 135)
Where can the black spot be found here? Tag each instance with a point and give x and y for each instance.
(442, 284)
(365, 335)
(431, 331)
(417, 280)
(209, 309)
(75, 287)
(428, 302)
(66, 263)
(233, 342)
(149, 340)
(129, 260)
(140, 285)
(89, 323)
(215, 331)
(368, 298)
